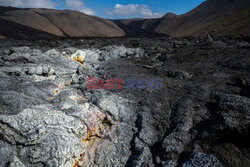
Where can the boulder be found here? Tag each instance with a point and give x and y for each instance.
(200, 159)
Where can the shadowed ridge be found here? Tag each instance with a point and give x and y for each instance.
(169, 15)
(7, 9)
(139, 27)
(18, 31)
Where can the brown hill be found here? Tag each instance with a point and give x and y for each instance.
(220, 17)
(217, 17)
(51, 23)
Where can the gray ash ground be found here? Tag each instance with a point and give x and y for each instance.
(201, 117)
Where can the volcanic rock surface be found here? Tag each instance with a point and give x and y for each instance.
(200, 117)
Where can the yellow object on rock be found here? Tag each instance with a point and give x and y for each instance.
(79, 56)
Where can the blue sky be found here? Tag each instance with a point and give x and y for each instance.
(112, 9)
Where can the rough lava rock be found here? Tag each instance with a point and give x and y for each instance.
(199, 117)
(199, 159)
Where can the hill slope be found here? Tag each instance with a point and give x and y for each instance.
(211, 12)
(218, 17)
(51, 23)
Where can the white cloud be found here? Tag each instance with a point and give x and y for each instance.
(28, 3)
(79, 5)
(72, 4)
(132, 9)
